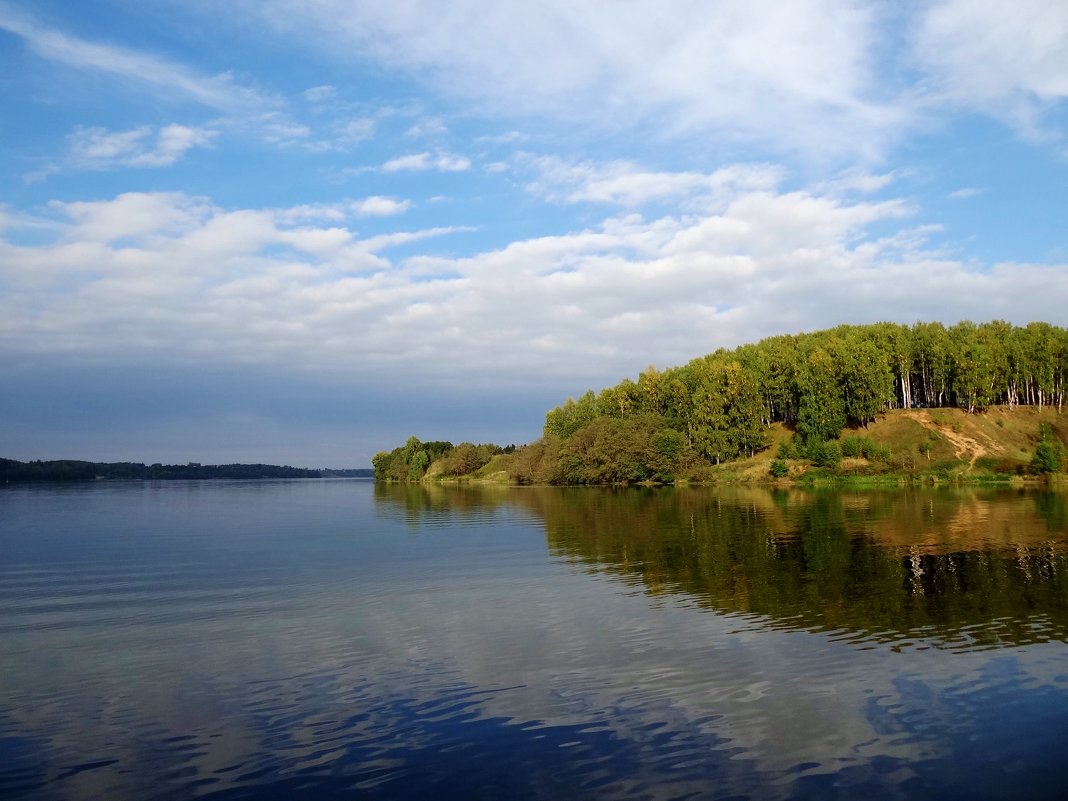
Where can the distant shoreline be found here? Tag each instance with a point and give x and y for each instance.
(14, 471)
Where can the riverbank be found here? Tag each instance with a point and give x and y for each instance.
(903, 446)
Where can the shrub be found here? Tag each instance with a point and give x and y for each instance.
(879, 453)
(779, 468)
(825, 454)
(1049, 453)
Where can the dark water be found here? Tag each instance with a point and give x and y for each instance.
(333, 639)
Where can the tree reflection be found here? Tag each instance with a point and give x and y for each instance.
(949, 568)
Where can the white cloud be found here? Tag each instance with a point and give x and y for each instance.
(357, 130)
(374, 206)
(134, 215)
(319, 94)
(276, 128)
(799, 76)
(428, 127)
(966, 192)
(627, 184)
(342, 135)
(502, 139)
(99, 148)
(168, 79)
(312, 212)
(1006, 60)
(176, 276)
(421, 162)
(413, 162)
(243, 109)
(378, 206)
(858, 181)
(94, 145)
(448, 162)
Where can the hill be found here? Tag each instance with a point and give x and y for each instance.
(921, 445)
(911, 445)
(870, 399)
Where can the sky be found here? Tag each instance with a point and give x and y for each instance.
(299, 231)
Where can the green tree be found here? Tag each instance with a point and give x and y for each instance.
(820, 406)
(727, 411)
(931, 354)
(973, 368)
(745, 411)
(1049, 452)
(866, 381)
(650, 391)
(418, 465)
(380, 462)
(563, 421)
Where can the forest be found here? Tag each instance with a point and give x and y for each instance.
(717, 408)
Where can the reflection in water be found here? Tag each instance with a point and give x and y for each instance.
(335, 640)
(960, 569)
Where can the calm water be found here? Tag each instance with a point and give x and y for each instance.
(334, 639)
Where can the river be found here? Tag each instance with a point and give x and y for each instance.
(335, 639)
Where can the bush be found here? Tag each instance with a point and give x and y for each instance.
(779, 468)
(536, 463)
(466, 458)
(853, 446)
(1049, 453)
(825, 454)
(879, 453)
(865, 447)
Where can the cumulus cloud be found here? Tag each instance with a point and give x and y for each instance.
(133, 215)
(378, 206)
(415, 161)
(178, 277)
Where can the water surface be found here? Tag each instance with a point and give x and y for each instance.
(337, 639)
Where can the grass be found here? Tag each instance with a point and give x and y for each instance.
(933, 447)
(916, 446)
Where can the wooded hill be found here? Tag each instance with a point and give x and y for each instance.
(676, 423)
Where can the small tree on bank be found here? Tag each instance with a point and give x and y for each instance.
(1049, 453)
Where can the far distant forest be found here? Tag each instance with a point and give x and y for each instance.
(75, 470)
(719, 407)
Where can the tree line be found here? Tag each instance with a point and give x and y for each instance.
(412, 460)
(76, 470)
(719, 407)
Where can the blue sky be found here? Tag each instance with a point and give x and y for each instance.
(300, 231)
